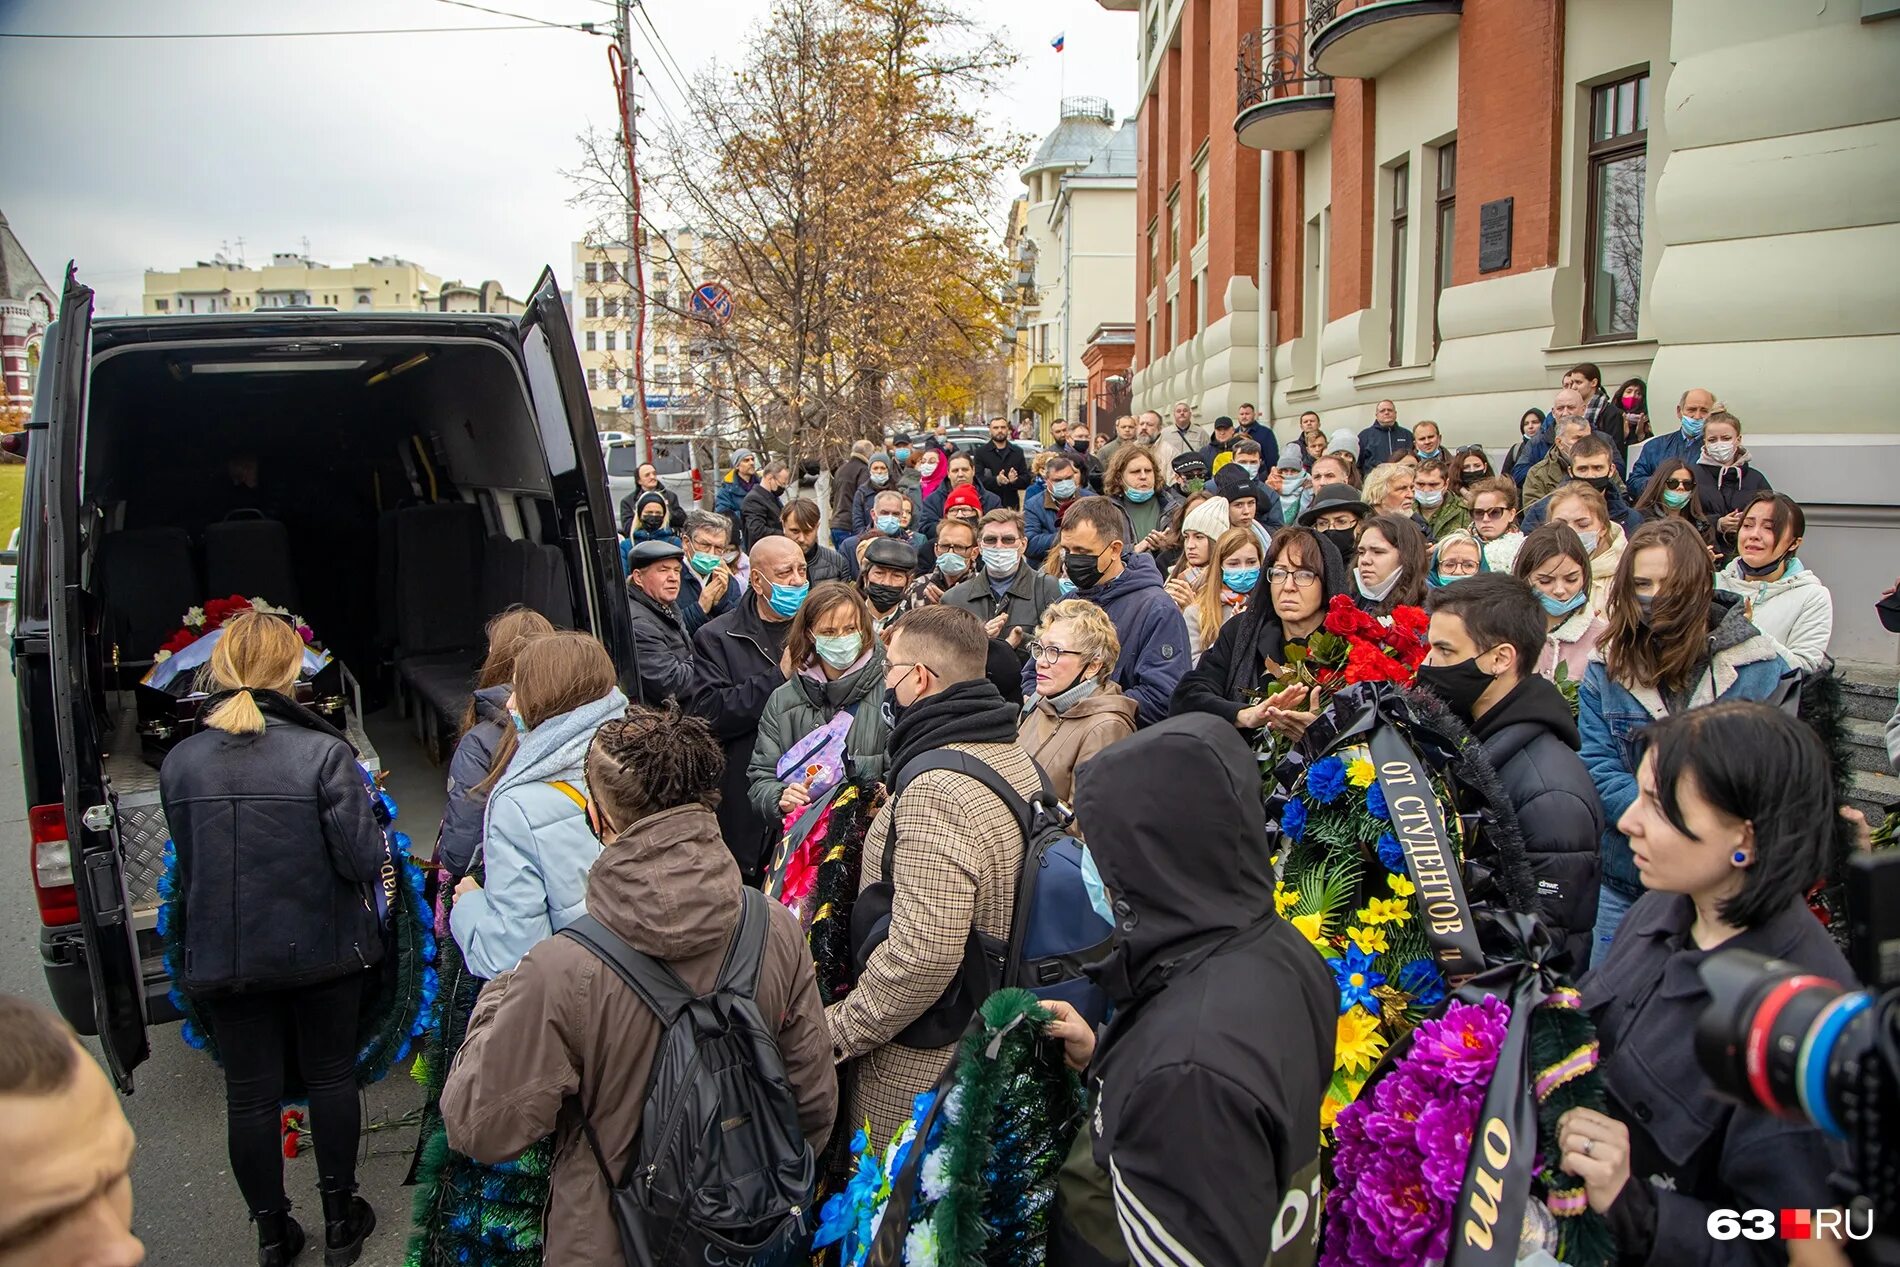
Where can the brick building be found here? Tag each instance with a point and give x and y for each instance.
(1450, 202)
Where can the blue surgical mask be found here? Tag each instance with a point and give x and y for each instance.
(1064, 584)
(1252, 468)
(840, 651)
(521, 723)
(787, 599)
(1564, 607)
(889, 525)
(1426, 455)
(1675, 498)
(1428, 498)
(704, 564)
(1097, 891)
(902, 455)
(1589, 539)
(879, 481)
(1001, 561)
(1063, 489)
(952, 564)
(1138, 495)
(1240, 580)
(1691, 427)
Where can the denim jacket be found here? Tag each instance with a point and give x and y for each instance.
(1744, 664)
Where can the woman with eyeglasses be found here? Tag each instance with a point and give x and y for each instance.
(1224, 590)
(1303, 573)
(1453, 559)
(1671, 494)
(1557, 567)
(1075, 711)
(1494, 504)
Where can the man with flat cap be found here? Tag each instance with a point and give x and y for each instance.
(663, 653)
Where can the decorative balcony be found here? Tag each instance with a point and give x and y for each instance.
(1361, 39)
(1282, 105)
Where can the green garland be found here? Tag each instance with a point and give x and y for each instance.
(1564, 1060)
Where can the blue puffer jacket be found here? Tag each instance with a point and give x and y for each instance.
(1743, 664)
(536, 844)
(461, 833)
(1657, 450)
(1153, 635)
(1042, 524)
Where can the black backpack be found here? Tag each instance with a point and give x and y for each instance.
(1053, 929)
(721, 1172)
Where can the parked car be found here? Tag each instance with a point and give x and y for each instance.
(672, 462)
(393, 478)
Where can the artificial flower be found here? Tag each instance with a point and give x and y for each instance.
(1312, 926)
(1344, 617)
(1370, 940)
(195, 617)
(920, 1247)
(1375, 803)
(1284, 898)
(1461, 1047)
(161, 657)
(1391, 853)
(932, 1179)
(1385, 910)
(1293, 820)
(1422, 982)
(1400, 885)
(1357, 1042)
(1360, 773)
(1329, 1107)
(1326, 779)
(1444, 1137)
(1353, 974)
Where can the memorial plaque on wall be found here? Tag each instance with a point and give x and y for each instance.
(1494, 236)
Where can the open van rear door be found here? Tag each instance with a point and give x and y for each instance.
(572, 444)
(112, 957)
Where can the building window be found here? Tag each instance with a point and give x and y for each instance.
(1447, 202)
(164, 305)
(611, 271)
(1200, 203)
(1172, 331)
(613, 379)
(1619, 161)
(1154, 256)
(610, 340)
(1200, 300)
(593, 272)
(593, 380)
(1174, 228)
(611, 308)
(1401, 206)
(590, 341)
(593, 307)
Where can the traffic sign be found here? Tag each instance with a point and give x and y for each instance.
(713, 300)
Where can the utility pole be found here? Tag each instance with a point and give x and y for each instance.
(635, 271)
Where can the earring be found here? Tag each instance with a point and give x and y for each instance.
(1739, 858)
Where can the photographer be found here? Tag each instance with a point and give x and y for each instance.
(1729, 828)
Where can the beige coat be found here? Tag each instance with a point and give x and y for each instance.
(563, 1026)
(1061, 742)
(958, 852)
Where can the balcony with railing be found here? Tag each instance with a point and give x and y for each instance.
(1282, 104)
(1361, 39)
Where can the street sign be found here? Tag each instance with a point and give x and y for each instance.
(626, 401)
(713, 300)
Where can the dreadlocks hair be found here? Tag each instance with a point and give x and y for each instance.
(652, 760)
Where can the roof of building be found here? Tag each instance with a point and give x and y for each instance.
(1114, 161)
(1087, 125)
(18, 275)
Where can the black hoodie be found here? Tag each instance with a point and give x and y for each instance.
(1207, 1083)
(1531, 740)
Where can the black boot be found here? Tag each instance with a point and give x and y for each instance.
(279, 1239)
(347, 1222)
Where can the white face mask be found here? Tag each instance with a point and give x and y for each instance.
(1722, 451)
(1377, 591)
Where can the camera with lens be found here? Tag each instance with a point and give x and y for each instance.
(1806, 1048)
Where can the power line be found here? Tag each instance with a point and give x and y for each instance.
(668, 63)
(520, 17)
(585, 28)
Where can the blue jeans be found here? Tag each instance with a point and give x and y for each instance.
(839, 536)
(1612, 905)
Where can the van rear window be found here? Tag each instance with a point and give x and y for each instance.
(670, 457)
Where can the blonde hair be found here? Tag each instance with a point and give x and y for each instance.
(1207, 604)
(1379, 482)
(1094, 632)
(255, 652)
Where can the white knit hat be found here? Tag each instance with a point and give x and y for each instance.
(1344, 438)
(1210, 518)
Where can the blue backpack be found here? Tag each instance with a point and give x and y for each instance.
(1054, 930)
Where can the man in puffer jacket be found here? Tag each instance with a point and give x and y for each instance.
(1129, 587)
(1486, 634)
(1202, 1141)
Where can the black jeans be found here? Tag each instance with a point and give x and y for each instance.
(255, 1033)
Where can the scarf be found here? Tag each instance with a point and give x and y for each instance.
(927, 486)
(968, 712)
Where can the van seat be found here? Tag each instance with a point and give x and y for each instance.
(147, 583)
(504, 575)
(251, 556)
(438, 563)
(547, 588)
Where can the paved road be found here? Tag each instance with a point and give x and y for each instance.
(187, 1207)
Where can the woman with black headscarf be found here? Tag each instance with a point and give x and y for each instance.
(1287, 607)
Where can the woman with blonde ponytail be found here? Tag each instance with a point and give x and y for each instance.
(277, 850)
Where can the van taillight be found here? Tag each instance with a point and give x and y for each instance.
(52, 866)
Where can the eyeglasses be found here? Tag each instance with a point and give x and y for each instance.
(1001, 541)
(1683, 485)
(1049, 652)
(1301, 578)
(1492, 512)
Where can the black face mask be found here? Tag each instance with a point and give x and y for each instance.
(1342, 542)
(1599, 482)
(1080, 446)
(891, 709)
(1083, 570)
(1459, 685)
(883, 597)
(650, 522)
(1645, 607)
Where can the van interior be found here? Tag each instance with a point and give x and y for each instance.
(394, 494)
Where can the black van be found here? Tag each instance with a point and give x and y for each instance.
(395, 479)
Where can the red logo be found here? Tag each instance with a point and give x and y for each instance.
(1797, 1225)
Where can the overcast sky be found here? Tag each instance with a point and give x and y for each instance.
(443, 148)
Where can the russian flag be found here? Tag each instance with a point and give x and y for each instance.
(1056, 43)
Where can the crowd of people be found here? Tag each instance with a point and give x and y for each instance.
(1614, 613)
